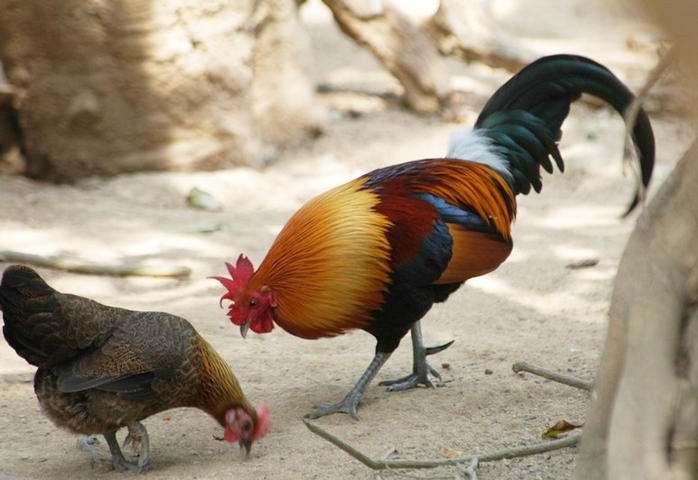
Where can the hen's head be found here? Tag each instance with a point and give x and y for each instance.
(250, 306)
(241, 427)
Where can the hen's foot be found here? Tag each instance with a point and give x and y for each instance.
(87, 444)
(119, 461)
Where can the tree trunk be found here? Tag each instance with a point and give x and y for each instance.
(408, 53)
(110, 86)
(643, 422)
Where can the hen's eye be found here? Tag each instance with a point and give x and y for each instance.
(253, 302)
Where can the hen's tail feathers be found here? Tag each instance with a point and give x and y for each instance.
(523, 118)
(20, 288)
(32, 319)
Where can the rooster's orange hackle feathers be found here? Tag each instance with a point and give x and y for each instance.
(335, 239)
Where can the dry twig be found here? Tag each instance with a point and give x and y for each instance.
(95, 268)
(555, 376)
(471, 470)
(383, 463)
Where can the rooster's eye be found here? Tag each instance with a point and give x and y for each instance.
(246, 426)
(253, 302)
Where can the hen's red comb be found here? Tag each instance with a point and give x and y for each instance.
(240, 274)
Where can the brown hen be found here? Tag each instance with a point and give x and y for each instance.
(102, 368)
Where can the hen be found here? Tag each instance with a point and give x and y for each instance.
(376, 253)
(102, 368)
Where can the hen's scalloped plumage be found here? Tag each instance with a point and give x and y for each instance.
(101, 367)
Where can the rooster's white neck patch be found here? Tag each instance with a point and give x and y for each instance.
(474, 146)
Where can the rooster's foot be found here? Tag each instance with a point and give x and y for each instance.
(348, 406)
(414, 379)
(351, 401)
(422, 372)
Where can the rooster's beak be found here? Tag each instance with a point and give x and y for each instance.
(243, 329)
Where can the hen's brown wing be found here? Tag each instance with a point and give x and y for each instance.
(142, 347)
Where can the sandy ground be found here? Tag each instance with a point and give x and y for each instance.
(532, 308)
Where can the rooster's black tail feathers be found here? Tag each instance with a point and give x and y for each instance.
(523, 118)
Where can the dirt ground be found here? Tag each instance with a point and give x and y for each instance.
(533, 308)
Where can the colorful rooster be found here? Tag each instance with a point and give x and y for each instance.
(378, 252)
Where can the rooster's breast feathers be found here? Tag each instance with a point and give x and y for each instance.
(425, 222)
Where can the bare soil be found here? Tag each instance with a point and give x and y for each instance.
(532, 308)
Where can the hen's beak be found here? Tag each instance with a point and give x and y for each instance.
(243, 329)
(246, 444)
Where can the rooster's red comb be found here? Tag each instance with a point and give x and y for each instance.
(240, 274)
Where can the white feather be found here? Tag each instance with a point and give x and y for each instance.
(472, 145)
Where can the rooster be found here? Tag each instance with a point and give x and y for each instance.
(376, 253)
(102, 368)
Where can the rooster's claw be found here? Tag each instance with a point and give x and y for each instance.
(422, 372)
(413, 379)
(348, 406)
(438, 348)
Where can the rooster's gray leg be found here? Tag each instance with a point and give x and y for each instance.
(422, 372)
(138, 436)
(351, 401)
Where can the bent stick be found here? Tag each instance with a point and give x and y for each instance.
(379, 464)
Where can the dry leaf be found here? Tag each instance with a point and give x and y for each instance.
(448, 453)
(560, 427)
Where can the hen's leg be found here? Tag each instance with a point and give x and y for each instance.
(137, 435)
(138, 440)
(351, 401)
(422, 372)
(120, 463)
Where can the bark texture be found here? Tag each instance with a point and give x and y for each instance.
(110, 86)
(407, 52)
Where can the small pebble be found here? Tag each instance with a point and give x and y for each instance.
(203, 200)
(488, 371)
